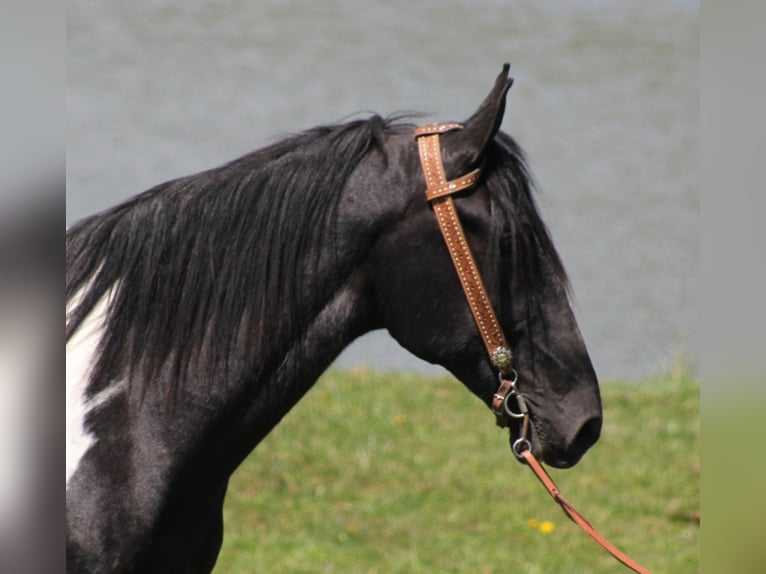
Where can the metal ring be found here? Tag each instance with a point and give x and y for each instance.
(513, 377)
(517, 444)
(523, 410)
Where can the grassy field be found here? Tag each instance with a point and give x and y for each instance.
(388, 473)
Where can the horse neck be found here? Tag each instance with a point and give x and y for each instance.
(253, 401)
(299, 364)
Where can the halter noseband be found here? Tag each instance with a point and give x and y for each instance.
(438, 192)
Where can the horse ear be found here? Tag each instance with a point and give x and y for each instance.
(465, 147)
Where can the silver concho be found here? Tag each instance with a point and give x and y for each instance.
(502, 358)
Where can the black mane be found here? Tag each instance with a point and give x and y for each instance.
(212, 256)
(216, 256)
(527, 252)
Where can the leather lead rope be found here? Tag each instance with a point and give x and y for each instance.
(575, 515)
(438, 193)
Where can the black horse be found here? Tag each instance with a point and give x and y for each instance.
(200, 311)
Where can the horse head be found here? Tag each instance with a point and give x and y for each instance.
(418, 296)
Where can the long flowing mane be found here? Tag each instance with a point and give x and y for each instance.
(212, 256)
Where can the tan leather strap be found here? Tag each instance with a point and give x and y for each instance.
(575, 516)
(498, 400)
(438, 128)
(438, 192)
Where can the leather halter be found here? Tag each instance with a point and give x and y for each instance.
(439, 193)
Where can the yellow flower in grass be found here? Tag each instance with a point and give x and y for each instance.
(546, 527)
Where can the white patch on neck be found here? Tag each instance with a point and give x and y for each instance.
(81, 351)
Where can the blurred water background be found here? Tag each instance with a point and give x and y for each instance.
(605, 103)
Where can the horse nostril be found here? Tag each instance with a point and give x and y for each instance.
(587, 435)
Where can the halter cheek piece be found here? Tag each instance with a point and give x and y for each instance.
(438, 193)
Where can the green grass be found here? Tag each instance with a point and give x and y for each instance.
(390, 473)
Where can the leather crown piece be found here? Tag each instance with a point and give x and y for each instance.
(438, 193)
